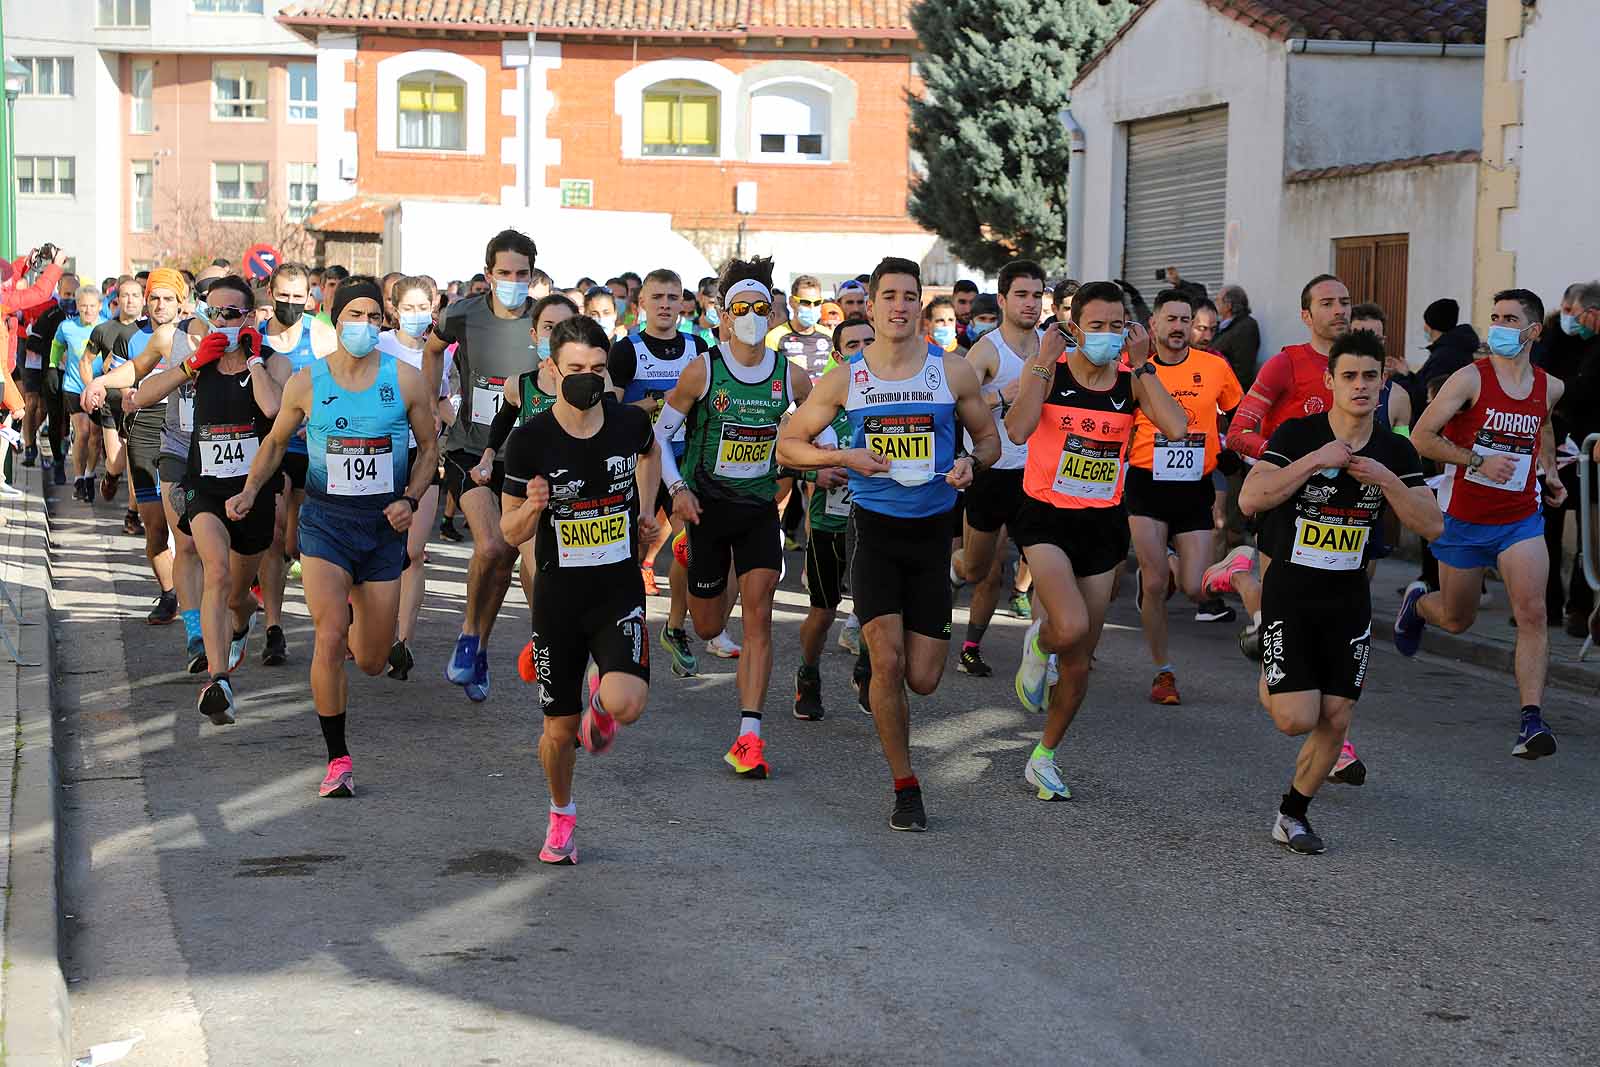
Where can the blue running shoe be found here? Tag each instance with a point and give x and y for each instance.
(1409, 622)
(462, 665)
(1535, 739)
(478, 685)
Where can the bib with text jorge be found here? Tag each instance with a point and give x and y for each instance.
(745, 451)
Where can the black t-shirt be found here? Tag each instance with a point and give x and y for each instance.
(111, 338)
(623, 362)
(1323, 533)
(590, 528)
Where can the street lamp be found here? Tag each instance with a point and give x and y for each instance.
(16, 78)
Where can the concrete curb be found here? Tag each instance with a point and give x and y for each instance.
(37, 1020)
(1491, 654)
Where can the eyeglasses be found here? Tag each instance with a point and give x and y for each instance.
(226, 314)
(800, 302)
(740, 308)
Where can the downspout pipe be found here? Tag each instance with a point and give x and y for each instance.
(1075, 194)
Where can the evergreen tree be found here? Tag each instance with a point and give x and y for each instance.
(997, 75)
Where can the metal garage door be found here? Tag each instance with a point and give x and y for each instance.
(1177, 198)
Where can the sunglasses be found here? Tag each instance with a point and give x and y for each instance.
(740, 308)
(226, 314)
(808, 303)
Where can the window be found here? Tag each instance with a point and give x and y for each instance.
(681, 118)
(431, 109)
(239, 190)
(144, 189)
(302, 191)
(238, 91)
(125, 14)
(789, 122)
(46, 75)
(302, 92)
(46, 176)
(142, 92)
(227, 7)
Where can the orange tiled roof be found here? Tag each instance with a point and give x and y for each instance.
(360, 214)
(639, 17)
(1351, 170)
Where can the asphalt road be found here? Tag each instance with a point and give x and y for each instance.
(222, 911)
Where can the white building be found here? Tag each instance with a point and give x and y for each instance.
(1266, 142)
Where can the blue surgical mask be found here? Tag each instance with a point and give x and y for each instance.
(544, 348)
(976, 330)
(1505, 341)
(358, 338)
(1573, 328)
(943, 336)
(415, 323)
(1102, 349)
(314, 295)
(808, 317)
(713, 317)
(511, 294)
(231, 333)
(622, 305)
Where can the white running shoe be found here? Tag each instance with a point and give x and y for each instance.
(850, 639)
(1045, 777)
(723, 647)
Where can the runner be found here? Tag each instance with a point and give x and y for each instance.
(362, 493)
(575, 476)
(1076, 410)
(903, 398)
(72, 339)
(1490, 426)
(733, 399)
(1320, 488)
(121, 322)
(236, 395)
(492, 333)
(802, 339)
(1171, 499)
(997, 357)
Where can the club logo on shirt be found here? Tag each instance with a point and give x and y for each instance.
(1197, 379)
(932, 377)
(721, 401)
(386, 393)
(620, 465)
(566, 491)
(860, 376)
(341, 423)
(1313, 405)
(1317, 494)
(777, 388)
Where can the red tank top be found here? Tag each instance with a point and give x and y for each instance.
(1308, 392)
(1077, 455)
(1497, 424)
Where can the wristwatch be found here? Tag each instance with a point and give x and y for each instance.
(1476, 461)
(413, 502)
(1147, 367)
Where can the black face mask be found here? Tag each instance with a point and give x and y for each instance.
(582, 391)
(288, 312)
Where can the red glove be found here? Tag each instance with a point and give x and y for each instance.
(207, 352)
(250, 341)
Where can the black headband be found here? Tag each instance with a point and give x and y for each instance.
(354, 289)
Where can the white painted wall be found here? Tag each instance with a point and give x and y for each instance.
(176, 27)
(1555, 231)
(1367, 109)
(337, 155)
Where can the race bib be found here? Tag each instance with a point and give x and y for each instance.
(838, 502)
(1179, 461)
(1089, 470)
(186, 413)
(1328, 547)
(745, 451)
(1519, 477)
(227, 451)
(33, 361)
(906, 441)
(486, 394)
(360, 466)
(594, 541)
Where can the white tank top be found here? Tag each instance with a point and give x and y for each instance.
(1009, 369)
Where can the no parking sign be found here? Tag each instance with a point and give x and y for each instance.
(260, 261)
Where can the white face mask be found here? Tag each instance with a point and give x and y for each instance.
(608, 323)
(750, 328)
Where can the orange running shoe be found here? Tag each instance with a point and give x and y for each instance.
(748, 757)
(527, 670)
(1164, 690)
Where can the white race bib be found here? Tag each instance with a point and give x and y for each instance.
(33, 361)
(1085, 474)
(227, 451)
(745, 451)
(486, 396)
(185, 413)
(1519, 478)
(1179, 461)
(360, 466)
(594, 541)
(838, 502)
(1328, 547)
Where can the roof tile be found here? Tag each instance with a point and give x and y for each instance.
(1352, 170)
(641, 16)
(1409, 21)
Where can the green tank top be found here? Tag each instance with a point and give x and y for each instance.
(731, 449)
(534, 399)
(830, 508)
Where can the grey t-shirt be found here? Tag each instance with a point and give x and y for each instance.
(180, 402)
(489, 350)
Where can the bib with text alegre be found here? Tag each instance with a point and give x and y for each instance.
(1089, 469)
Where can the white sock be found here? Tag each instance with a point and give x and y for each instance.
(747, 725)
(852, 621)
(571, 808)
(1257, 618)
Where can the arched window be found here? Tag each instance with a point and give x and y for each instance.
(789, 121)
(681, 117)
(432, 109)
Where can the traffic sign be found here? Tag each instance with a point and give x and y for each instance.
(260, 261)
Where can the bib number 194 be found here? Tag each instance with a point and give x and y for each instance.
(360, 466)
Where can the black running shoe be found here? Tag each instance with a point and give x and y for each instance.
(861, 678)
(30, 457)
(908, 813)
(58, 473)
(971, 662)
(132, 525)
(807, 694)
(449, 532)
(400, 661)
(1213, 610)
(277, 651)
(216, 702)
(1297, 836)
(165, 611)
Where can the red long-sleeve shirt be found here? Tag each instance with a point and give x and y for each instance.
(15, 303)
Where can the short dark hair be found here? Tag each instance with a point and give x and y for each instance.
(477, 278)
(1305, 294)
(234, 282)
(580, 329)
(1063, 291)
(1532, 306)
(1167, 296)
(966, 285)
(853, 320)
(550, 300)
(629, 276)
(893, 265)
(335, 274)
(1363, 343)
(1109, 292)
(221, 262)
(1370, 312)
(514, 241)
(663, 275)
(737, 270)
(1019, 268)
(938, 302)
(1203, 304)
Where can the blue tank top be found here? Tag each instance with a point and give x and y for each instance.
(912, 423)
(74, 335)
(300, 357)
(357, 442)
(1381, 416)
(653, 375)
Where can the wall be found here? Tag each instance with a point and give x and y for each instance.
(1407, 106)
(176, 27)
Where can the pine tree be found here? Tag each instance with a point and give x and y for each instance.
(997, 75)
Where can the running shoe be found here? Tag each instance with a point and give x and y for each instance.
(276, 654)
(1408, 622)
(241, 640)
(558, 847)
(648, 573)
(294, 569)
(255, 592)
(166, 609)
(1164, 690)
(1535, 739)
(401, 661)
(676, 642)
(850, 638)
(747, 756)
(1020, 607)
(1250, 642)
(971, 662)
(58, 473)
(1213, 610)
(478, 686)
(807, 693)
(597, 731)
(340, 780)
(861, 681)
(1032, 690)
(30, 457)
(1045, 777)
(460, 669)
(1297, 836)
(108, 485)
(197, 655)
(1218, 578)
(1052, 671)
(1348, 768)
(908, 813)
(956, 581)
(722, 646)
(527, 668)
(448, 531)
(216, 702)
(132, 525)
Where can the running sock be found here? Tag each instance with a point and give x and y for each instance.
(1530, 709)
(810, 670)
(1040, 752)
(1256, 618)
(975, 634)
(749, 723)
(1294, 804)
(569, 808)
(191, 623)
(333, 734)
(909, 782)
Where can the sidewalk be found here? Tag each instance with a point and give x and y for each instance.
(33, 994)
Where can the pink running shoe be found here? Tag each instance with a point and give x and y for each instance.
(341, 779)
(597, 731)
(1218, 578)
(558, 847)
(1348, 768)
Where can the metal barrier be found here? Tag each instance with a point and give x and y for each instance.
(1588, 528)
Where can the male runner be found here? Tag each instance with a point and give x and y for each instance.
(1075, 410)
(492, 333)
(362, 491)
(1320, 487)
(66, 353)
(575, 477)
(733, 399)
(851, 296)
(1170, 494)
(1490, 426)
(121, 321)
(903, 399)
(802, 339)
(997, 357)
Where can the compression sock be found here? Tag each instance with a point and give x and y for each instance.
(749, 723)
(974, 635)
(1040, 752)
(1294, 804)
(191, 623)
(908, 782)
(333, 734)
(569, 808)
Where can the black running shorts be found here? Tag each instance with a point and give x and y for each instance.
(902, 567)
(825, 568)
(993, 499)
(605, 621)
(1095, 540)
(1315, 641)
(1185, 507)
(745, 537)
